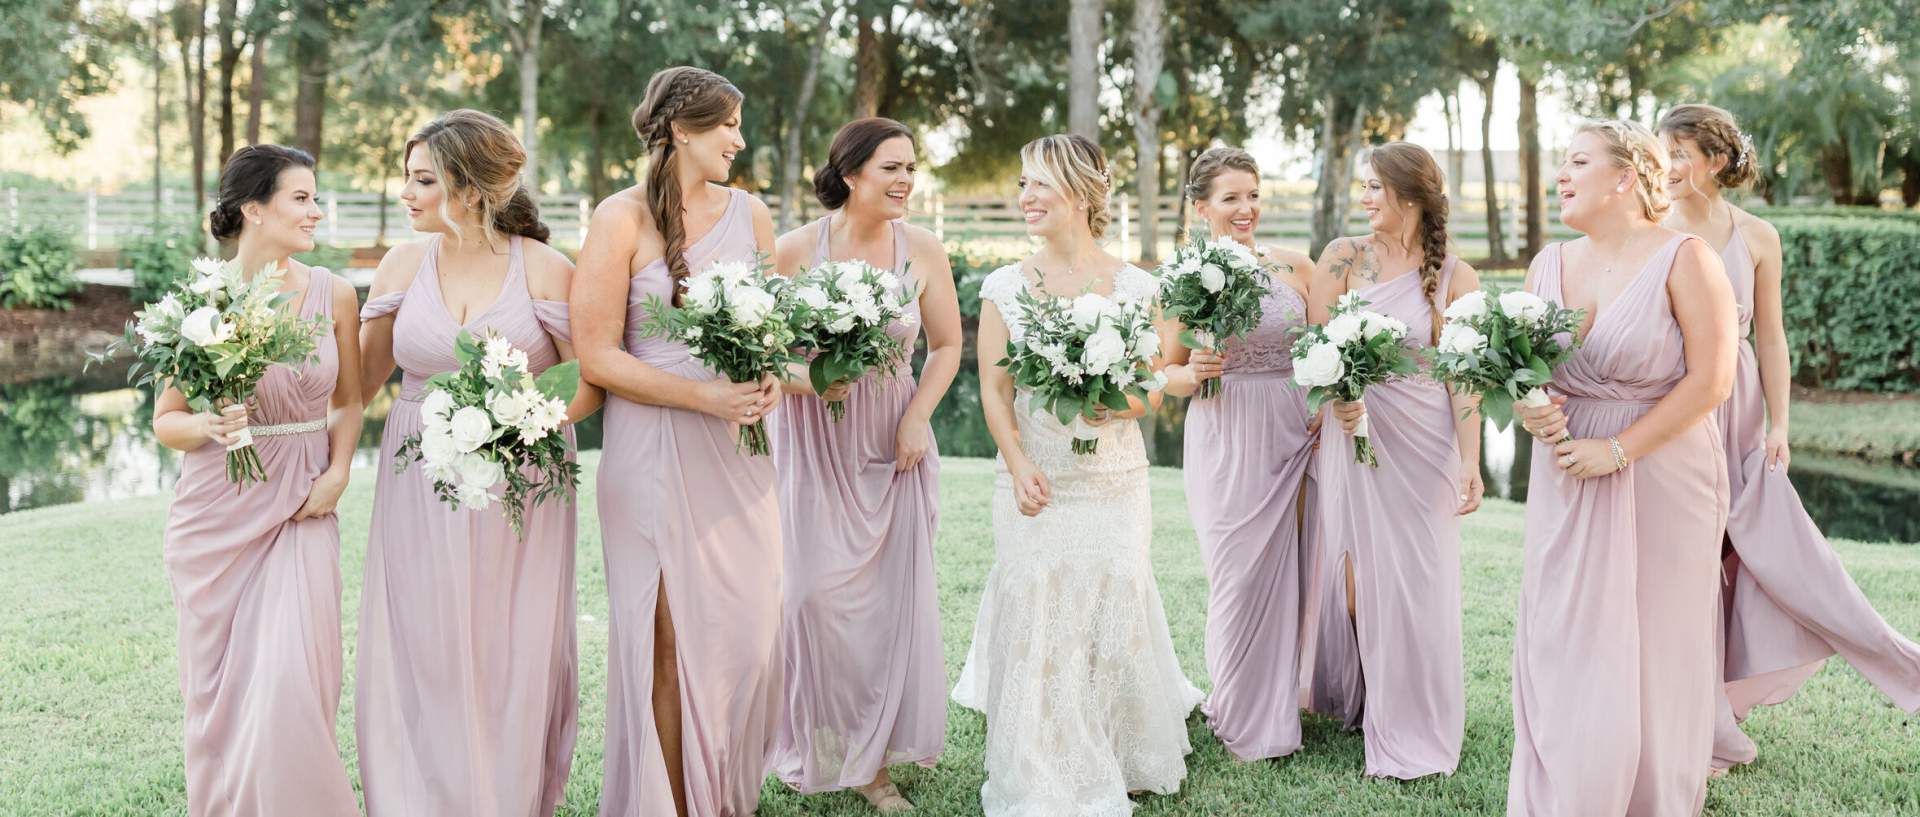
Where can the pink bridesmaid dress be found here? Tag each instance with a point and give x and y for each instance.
(1790, 602)
(258, 597)
(1395, 668)
(680, 505)
(865, 670)
(1613, 659)
(466, 684)
(1250, 489)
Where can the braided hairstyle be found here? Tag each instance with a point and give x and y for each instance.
(251, 174)
(1714, 130)
(1075, 166)
(699, 100)
(475, 153)
(1631, 146)
(1414, 177)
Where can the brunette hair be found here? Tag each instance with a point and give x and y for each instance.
(1714, 130)
(471, 151)
(700, 100)
(852, 147)
(1214, 162)
(1414, 177)
(251, 174)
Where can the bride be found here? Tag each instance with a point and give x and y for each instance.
(1071, 660)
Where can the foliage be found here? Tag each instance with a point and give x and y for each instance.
(736, 320)
(159, 258)
(58, 52)
(1080, 355)
(1503, 346)
(333, 258)
(1847, 289)
(1214, 289)
(970, 269)
(841, 313)
(37, 269)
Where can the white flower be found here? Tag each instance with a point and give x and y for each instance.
(694, 332)
(1524, 307)
(813, 296)
(549, 414)
(441, 472)
(852, 274)
(470, 428)
(841, 325)
(473, 497)
(1104, 348)
(1344, 328)
(437, 408)
(531, 434)
(509, 407)
(867, 311)
(858, 293)
(1377, 323)
(1146, 343)
(732, 271)
(437, 447)
(479, 471)
(204, 327)
(1467, 307)
(1087, 309)
(1461, 339)
(703, 293)
(888, 281)
(1321, 366)
(751, 305)
(208, 266)
(1212, 278)
(1350, 300)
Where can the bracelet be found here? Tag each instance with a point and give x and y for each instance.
(1619, 453)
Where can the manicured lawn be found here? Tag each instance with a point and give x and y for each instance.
(1872, 427)
(90, 714)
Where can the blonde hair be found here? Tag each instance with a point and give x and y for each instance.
(471, 151)
(1214, 162)
(1714, 130)
(1630, 145)
(1076, 167)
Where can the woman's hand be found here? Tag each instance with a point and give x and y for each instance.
(1205, 365)
(1030, 489)
(1546, 422)
(1349, 414)
(1584, 459)
(1779, 455)
(911, 441)
(769, 394)
(837, 391)
(224, 427)
(1101, 416)
(323, 495)
(738, 403)
(1472, 488)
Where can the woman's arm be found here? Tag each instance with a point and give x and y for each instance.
(1770, 339)
(395, 274)
(550, 278)
(940, 315)
(1466, 408)
(346, 408)
(1030, 488)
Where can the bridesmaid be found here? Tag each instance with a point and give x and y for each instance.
(1613, 661)
(865, 671)
(1792, 603)
(691, 525)
(467, 681)
(1389, 656)
(256, 572)
(1248, 459)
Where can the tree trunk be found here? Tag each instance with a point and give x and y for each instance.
(1084, 30)
(797, 127)
(1836, 167)
(1496, 244)
(311, 35)
(230, 48)
(256, 85)
(1182, 224)
(530, 100)
(1530, 166)
(1332, 190)
(596, 151)
(1910, 179)
(189, 29)
(159, 118)
(1456, 157)
(870, 61)
(1149, 17)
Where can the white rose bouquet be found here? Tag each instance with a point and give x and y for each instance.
(1077, 355)
(1214, 287)
(1504, 347)
(737, 320)
(841, 310)
(213, 337)
(490, 420)
(1355, 349)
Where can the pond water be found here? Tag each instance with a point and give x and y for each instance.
(85, 437)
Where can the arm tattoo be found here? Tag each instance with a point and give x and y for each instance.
(1341, 266)
(1369, 263)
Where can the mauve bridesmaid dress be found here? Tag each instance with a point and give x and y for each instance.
(1613, 659)
(1395, 668)
(467, 689)
(865, 671)
(680, 505)
(1249, 481)
(258, 597)
(1790, 603)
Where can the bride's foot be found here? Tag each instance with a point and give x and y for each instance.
(885, 797)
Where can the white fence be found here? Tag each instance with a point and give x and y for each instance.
(104, 220)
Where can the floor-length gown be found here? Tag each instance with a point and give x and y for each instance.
(1249, 485)
(865, 671)
(258, 598)
(1395, 667)
(680, 505)
(1613, 659)
(466, 692)
(1790, 602)
(1072, 662)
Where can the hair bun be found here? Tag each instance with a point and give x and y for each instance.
(830, 187)
(224, 221)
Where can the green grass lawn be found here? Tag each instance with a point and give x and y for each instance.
(1872, 427)
(90, 711)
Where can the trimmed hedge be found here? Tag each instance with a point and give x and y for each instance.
(1834, 211)
(37, 269)
(1848, 292)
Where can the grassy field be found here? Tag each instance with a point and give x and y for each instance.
(1871, 427)
(90, 714)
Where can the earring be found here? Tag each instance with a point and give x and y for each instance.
(1620, 189)
(256, 221)
(683, 140)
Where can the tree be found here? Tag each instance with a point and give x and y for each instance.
(313, 34)
(58, 52)
(521, 20)
(1148, 20)
(790, 159)
(1085, 30)
(189, 30)
(232, 36)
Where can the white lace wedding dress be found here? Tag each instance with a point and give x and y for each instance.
(1071, 661)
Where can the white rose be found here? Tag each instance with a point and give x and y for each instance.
(1212, 278)
(479, 472)
(1146, 343)
(1376, 324)
(841, 325)
(1344, 328)
(703, 293)
(751, 305)
(508, 407)
(1321, 366)
(441, 472)
(1087, 310)
(436, 408)
(1467, 307)
(437, 447)
(1459, 338)
(204, 327)
(470, 428)
(1104, 348)
(851, 275)
(1524, 307)
(473, 497)
(813, 297)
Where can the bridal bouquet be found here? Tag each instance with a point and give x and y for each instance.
(841, 310)
(1504, 347)
(737, 321)
(1079, 354)
(1214, 287)
(1355, 349)
(491, 420)
(213, 336)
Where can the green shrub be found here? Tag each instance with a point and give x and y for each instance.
(970, 268)
(37, 269)
(160, 257)
(1848, 290)
(1834, 211)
